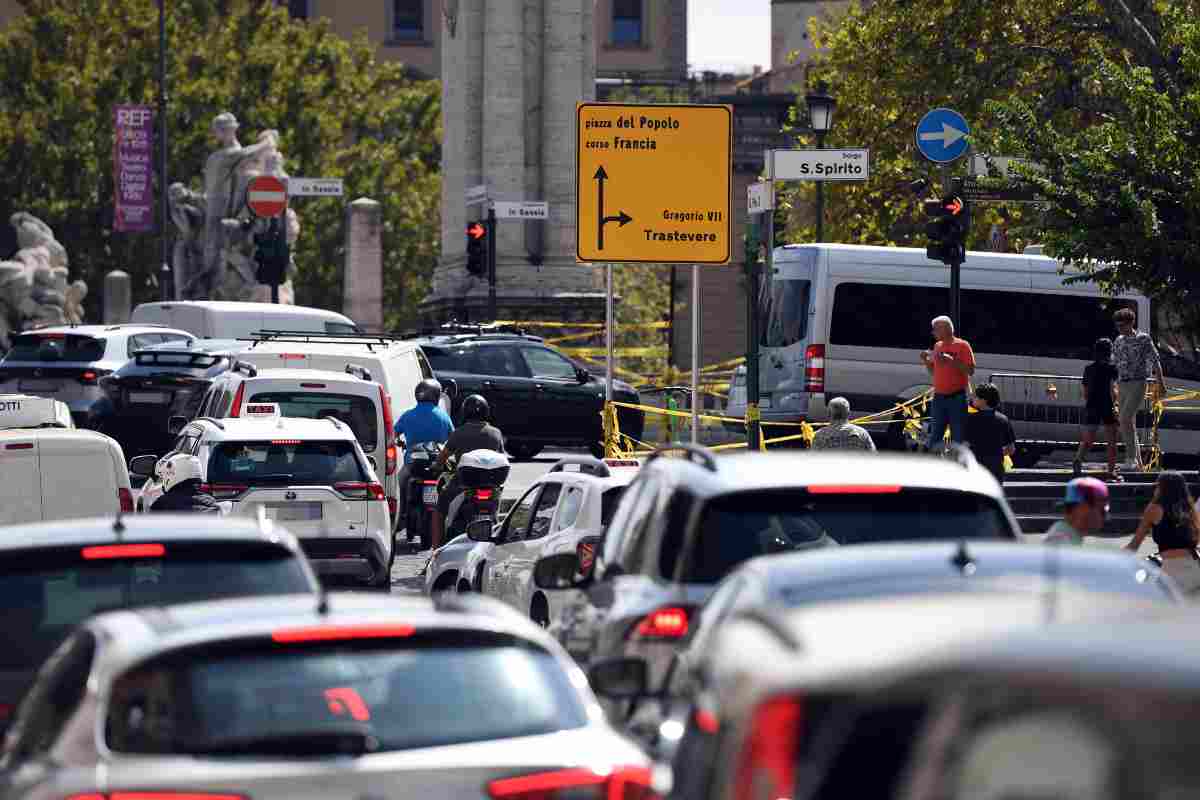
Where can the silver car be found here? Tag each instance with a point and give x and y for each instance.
(345, 695)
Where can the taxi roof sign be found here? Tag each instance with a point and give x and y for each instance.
(262, 410)
(26, 411)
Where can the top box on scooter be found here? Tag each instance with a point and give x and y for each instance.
(482, 469)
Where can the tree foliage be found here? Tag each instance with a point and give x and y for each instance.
(66, 63)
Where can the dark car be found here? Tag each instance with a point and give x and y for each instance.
(159, 383)
(538, 396)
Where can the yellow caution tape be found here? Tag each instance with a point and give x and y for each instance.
(629, 352)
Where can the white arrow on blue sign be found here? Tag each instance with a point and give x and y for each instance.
(942, 135)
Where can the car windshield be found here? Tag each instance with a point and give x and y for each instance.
(46, 592)
(356, 411)
(285, 461)
(56, 347)
(608, 504)
(741, 526)
(425, 691)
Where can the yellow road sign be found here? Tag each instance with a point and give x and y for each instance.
(653, 183)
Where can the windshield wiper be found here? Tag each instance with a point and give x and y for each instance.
(340, 741)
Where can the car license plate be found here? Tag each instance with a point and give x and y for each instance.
(294, 512)
(428, 495)
(149, 397)
(38, 386)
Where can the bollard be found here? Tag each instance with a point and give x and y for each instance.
(118, 297)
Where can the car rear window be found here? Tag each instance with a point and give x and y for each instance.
(44, 593)
(285, 461)
(290, 700)
(56, 347)
(741, 526)
(357, 412)
(441, 358)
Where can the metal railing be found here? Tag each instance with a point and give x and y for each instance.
(1048, 399)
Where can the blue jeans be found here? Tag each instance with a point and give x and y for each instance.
(948, 409)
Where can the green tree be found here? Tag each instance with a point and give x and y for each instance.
(66, 63)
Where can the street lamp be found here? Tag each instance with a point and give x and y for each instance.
(820, 116)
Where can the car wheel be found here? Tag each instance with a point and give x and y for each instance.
(523, 451)
(445, 582)
(464, 587)
(539, 611)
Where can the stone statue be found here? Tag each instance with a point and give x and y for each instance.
(14, 291)
(73, 308)
(187, 261)
(33, 285)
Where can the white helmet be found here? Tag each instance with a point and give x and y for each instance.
(179, 468)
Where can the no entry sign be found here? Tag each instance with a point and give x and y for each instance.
(267, 196)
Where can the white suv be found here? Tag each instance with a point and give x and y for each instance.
(311, 474)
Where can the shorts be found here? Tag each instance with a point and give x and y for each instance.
(1093, 418)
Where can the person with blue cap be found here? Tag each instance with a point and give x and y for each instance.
(1085, 508)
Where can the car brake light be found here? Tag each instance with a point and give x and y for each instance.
(484, 494)
(125, 498)
(389, 432)
(430, 483)
(19, 446)
(767, 767)
(223, 491)
(6, 710)
(291, 356)
(312, 386)
(360, 491)
(586, 553)
(147, 550)
(88, 377)
(853, 489)
(286, 441)
(664, 623)
(622, 783)
(156, 796)
(814, 368)
(236, 409)
(52, 336)
(706, 721)
(338, 633)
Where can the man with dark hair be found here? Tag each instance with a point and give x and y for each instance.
(989, 433)
(1099, 406)
(1136, 360)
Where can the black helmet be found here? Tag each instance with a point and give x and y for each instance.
(475, 409)
(429, 391)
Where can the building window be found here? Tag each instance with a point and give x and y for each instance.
(627, 22)
(408, 20)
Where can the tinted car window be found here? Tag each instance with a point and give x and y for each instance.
(411, 694)
(503, 361)
(447, 359)
(609, 501)
(545, 363)
(518, 518)
(357, 412)
(737, 527)
(285, 461)
(45, 593)
(545, 511)
(56, 347)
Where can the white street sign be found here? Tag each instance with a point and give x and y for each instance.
(314, 187)
(526, 209)
(821, 165)
(760, 197)
(476, 194)
(1003, 165)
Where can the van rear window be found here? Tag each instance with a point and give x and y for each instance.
(56, 347)
(285, 462)
(357, 412)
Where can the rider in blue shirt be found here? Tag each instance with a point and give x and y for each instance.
(426, 422)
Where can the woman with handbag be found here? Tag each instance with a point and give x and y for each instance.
(1175, 526)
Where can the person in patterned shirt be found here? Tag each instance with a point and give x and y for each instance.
(1136, 360)
(840, 434)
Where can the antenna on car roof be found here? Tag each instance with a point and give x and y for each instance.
(962, 559)
(118, 525)
(322, 600)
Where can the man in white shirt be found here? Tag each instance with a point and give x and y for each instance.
(1085, 508)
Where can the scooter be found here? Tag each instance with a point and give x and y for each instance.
(481, 474)
(422, 495)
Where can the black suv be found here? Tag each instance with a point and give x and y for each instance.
(538, 396)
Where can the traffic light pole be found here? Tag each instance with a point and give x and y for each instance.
(956, 292)
(491, 261)
(753, 267)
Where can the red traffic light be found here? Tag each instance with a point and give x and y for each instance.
(476, 230)
(954, 205)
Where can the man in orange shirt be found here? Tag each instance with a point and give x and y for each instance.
(951, 363)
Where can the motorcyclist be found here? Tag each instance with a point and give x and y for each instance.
(474, 434)
(425, 423)
(181, 476)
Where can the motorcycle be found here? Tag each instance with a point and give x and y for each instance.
(422, 495)
(481, 475)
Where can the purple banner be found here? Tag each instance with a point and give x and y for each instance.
(133, 169)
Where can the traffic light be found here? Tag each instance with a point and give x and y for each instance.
(949, 221)
(477, 233)
(272, 253)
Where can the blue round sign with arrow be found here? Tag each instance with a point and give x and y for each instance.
(942, 135)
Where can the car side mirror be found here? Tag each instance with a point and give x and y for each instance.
(143, 465)
(176, 424)
(480, 530)
(559, 571)
(450, 388)
(582, 375)
(619, 678)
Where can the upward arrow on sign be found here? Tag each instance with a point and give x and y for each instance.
(600, 177)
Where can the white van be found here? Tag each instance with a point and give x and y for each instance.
(851, 320)
(232, 319)
(56, 473)
(27, 411)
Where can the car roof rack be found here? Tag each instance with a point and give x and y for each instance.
(368, 339)
(694, 453)
(118, 326)
(452, 329)
(585, 465)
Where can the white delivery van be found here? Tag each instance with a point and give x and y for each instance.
(851, 320)
(231, 319)
(56, 473)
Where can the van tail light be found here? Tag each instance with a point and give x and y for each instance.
(622, 783)
(154, 796)
(814, 368)
(236, 409)
(224, 491)
(353, 490)
(767, 765)
(484, 494)
(585, 551)
(142, 550)
(664, 623)
(390, 435)
(125, 498)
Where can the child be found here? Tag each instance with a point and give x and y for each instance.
(1099, 399)
(989, 433)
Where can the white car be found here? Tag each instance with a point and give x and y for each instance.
(566, 510)
(235, 319)
(311, 474)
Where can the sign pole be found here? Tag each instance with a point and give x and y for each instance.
(609, 338)
(753, 388)
(491, 253)
(165, 278)
(695, 353)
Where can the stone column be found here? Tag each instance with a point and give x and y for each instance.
(118, 297)
(362, 298)
(504, 112)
